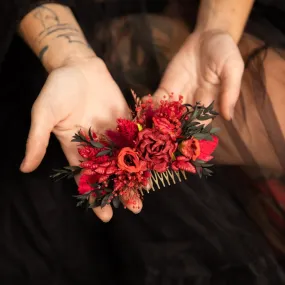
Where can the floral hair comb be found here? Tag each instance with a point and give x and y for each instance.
(158, 147)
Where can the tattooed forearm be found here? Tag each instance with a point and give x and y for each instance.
(55, 36)
(53, 29)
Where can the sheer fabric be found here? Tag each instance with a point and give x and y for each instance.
(225, 230)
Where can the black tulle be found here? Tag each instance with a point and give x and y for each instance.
(198, 232)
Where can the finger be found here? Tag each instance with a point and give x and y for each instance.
(42, 124)
(231, 83)
(135, 207)
(171, 83)
(160, 94)
(205, 95)
(105, 214)
(134, 204)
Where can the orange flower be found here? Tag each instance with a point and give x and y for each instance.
(128, 160)
(190, 148)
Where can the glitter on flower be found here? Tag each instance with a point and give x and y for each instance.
(160, 140)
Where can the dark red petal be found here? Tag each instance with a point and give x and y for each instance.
(100, 170)
(160, 167)
(111, 170)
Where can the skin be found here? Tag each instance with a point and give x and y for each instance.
(78, 93)
(79, 77)
(209, 66)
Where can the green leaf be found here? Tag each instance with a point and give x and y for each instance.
(199, 171)
(214, 113)
(90, 134)
(192, 124)
(200, 161)
(207, 171)
(95, 204)
(103, 152)
(214, 130)
(80, 203)
(96, 144)
(210, 107)
(207, 129)
(208, 137)
(204, 118)
(79, 138)
(108, 190)
(207, 165)
(200, 136)
(116, 202)
(196, 113)
(105, 200)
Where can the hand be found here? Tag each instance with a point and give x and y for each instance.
(78, 94)
(208, 67)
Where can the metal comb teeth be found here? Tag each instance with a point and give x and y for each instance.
(164, 179)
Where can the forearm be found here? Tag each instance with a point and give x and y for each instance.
(54, 35)
(225, 15)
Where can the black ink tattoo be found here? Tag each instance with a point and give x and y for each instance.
(72, 38)
(54, 29)
(46, 16)
(42, 52)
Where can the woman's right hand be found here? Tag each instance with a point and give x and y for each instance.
(79, 94)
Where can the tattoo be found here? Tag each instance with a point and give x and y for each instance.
(54, 29)
(46, 16)
(72, 38)
(42, 52)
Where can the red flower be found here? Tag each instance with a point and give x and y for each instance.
(104, 165)
(88, 151)
(85, 183)
(125, 181)
(166, 127)
(156, 148)
(190, 148)
(125, 134)
(129, 161)
(172, 110)
(207, 148)
(183, 163)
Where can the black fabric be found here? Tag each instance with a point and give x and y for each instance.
(197, 232)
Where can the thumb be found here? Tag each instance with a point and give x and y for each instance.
(42, 124)
(231, 83)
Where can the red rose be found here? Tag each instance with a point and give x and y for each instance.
(156, 148)
(166, 127)
(190, 148)
(128, 160)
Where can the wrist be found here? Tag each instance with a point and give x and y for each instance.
(57, 56)
(55, 36)
(220, 26)
(223, 15)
